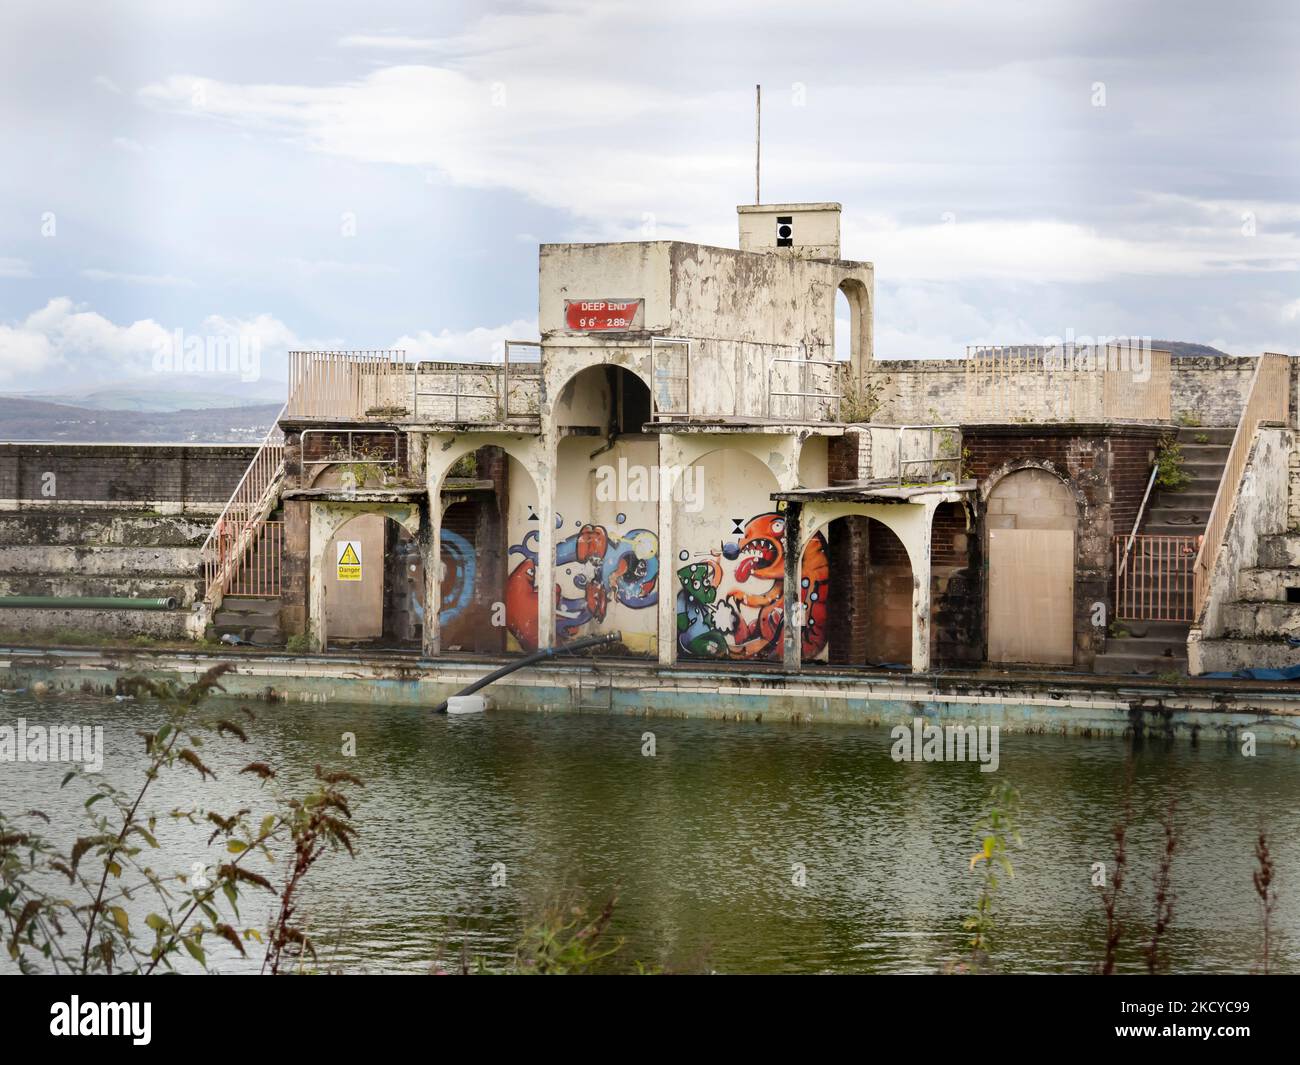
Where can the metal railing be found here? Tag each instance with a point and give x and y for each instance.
(385, 386)
(670, 374)
(250, 552)
(814, 403)
(933, 465)
(1153, 577)
(1267, 401)
(349, 385)
(1127, 381)
(248, 506)
(375, 447)
(1137, 522)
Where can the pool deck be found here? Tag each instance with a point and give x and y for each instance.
(1018, 701)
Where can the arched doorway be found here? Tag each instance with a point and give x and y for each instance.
(1031, 518)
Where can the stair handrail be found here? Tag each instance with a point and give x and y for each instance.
(1137, 522)
(247, 509)
(1267, 400)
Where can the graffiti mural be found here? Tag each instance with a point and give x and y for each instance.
(594, 567)
(731, 602)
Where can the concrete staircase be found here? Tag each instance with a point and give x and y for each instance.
(1155, 647)
(253, 619)
(1260, 623)
(97, 552)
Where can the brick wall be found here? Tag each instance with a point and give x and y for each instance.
(1106, 468)
(123, 473)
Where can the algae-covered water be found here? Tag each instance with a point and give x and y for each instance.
(733, 848)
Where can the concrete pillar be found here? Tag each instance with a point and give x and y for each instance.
(669, 458)
(546, 477)
(431, 555)
(918, 550)
(792, 630)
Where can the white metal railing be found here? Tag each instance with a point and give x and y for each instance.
(670, 376)
(349, 385)
(814, 387)
(1267, 401)
(384, 386)
(247, 508)
(939, 460)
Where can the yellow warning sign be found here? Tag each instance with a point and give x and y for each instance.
(349, 565)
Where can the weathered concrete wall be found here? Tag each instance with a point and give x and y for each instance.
(79, 520)
(740, 309)
(1093, 708)
(1209, 390)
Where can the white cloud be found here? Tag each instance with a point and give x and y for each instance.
(481, 344)
(64, 340)
(14, 268)
(101, 81)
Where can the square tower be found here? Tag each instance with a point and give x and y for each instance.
(802, 230)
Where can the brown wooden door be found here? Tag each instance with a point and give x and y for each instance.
(1031, 596)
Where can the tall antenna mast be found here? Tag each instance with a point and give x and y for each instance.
(758, 140)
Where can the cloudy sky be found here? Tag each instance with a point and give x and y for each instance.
(379, 174)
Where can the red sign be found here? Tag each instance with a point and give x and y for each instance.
(602, 316)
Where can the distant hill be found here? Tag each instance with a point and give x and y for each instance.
(1182, 347)
(30, 419)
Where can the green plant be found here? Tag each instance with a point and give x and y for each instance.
(863, 399)
(299, 643)
(996, 832)
(1170, 474)
(109, 865)
(1169, 676)
(1116, 630)
(1201, 438)
(1188, 419)
(466, 466)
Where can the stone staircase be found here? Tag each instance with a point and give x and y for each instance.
(1155, 647)
(100, 552)
(1261, 622)
(252, 619)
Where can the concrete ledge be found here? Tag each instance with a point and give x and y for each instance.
(1067, 705)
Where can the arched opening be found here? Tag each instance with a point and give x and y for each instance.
(852, 310)
(730, 560)
(856, 595)
(611, 400)
(843, 326)
(1030, 521)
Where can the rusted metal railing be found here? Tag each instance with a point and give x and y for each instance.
(1267, 401)
(1153, 577)
(251, 552)
(248, 506)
